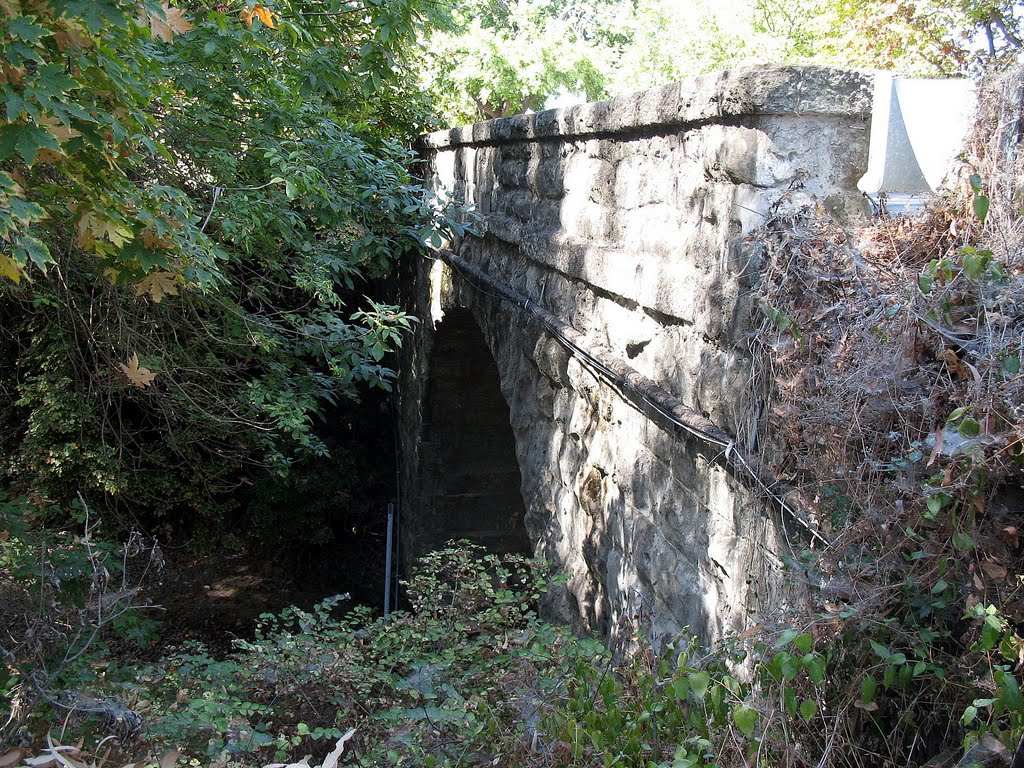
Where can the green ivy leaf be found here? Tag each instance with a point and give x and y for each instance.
(981, 204)
(679, 687)
(1009, 691)
(889, 677)
(804, 642)
(789, 701)
(699, 683)
(790, 665)
(868, 688)
(962, 541)
(808, 709)
(969, 427)
(786, 638)
(958, 413)
(815, 665)
(745, 719)
(973, 268)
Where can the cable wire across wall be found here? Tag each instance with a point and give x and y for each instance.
(634, 386)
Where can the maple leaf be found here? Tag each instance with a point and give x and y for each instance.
(173, 22)
(176, 20)
(68, 34)
(153, 241)
(10, 269)
(264, 14)
(93, 226)
(158, 285)
(21, 210)
(57, 129)
(139, 377)
(27, 140)
(11, 75)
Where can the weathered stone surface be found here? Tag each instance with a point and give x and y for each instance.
(770, 90)
(627, 219)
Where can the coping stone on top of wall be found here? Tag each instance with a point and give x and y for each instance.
(769, 90)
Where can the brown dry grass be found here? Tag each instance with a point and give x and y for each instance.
(863, 367)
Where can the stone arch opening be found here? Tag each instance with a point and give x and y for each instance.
(469, 479)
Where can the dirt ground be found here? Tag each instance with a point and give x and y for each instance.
(217, 597)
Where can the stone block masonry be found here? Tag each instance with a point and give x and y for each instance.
(628, 220)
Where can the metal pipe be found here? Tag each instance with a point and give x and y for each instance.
(387, 560)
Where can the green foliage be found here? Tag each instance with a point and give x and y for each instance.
(471, 676)
(932, 38)
(407, 683)
(65, 598)
(196, 204)
(497, 59)
(783, 322)
(493, 59)
(664, 41)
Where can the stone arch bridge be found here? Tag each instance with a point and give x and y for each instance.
(579, 386)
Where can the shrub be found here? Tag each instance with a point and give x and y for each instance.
(65, 598)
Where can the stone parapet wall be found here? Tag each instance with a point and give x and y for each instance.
(771, 90)
(629, 220)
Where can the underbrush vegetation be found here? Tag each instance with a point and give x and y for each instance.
(471, 676)
(67, 599)
(892, 365)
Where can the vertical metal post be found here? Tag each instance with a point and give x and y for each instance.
(387, 559)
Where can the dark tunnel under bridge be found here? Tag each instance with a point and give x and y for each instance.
(469, 483)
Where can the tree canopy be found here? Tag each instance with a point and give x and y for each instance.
(194, 198)
(496, 58)
(932, 38)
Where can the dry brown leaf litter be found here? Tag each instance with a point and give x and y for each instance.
(863, 364)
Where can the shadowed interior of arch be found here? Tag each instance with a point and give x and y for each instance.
(469, 479)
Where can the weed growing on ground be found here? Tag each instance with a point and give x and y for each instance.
(473, 677)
